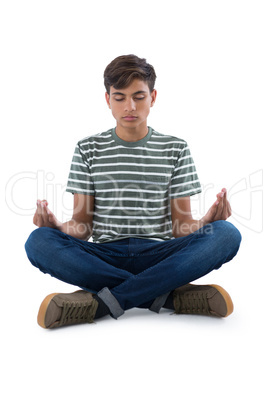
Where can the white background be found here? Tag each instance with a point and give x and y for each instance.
(211, 61)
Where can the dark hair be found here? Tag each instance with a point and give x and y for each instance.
(124, 69)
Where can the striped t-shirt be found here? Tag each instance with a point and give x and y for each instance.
(132, 183)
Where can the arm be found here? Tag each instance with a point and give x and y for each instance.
(183, 222)
(80, 226)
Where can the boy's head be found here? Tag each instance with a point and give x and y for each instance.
(123, 70)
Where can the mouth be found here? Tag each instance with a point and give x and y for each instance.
(129, 118)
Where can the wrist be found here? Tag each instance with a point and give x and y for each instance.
(204, 221)
(80, 230)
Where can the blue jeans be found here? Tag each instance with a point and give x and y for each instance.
(135, 271)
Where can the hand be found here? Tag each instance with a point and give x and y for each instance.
(220, 210)
(44, 217)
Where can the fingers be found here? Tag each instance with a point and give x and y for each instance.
(220, 210)
(37, 219)
(43, 216)
(221, 196)
(227, 207)
(223, 206)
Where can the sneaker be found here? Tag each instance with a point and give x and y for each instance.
(210, 300)
(60, 309)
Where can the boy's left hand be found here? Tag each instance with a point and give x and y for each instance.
(220, 210)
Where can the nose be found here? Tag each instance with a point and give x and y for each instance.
(130, 105)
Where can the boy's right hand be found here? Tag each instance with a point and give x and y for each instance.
(44, 217)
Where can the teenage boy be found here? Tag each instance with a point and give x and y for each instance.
(132, 188)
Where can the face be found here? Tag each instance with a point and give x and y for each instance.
(130, 106)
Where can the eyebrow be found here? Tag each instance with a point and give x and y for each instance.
(135, 93)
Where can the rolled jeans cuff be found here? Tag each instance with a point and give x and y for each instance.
(159, 303)
(106, 296)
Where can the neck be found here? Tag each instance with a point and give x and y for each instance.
(132, 134)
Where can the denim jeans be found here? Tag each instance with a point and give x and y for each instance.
(135, 271)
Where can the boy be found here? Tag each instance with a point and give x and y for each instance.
(132, 188)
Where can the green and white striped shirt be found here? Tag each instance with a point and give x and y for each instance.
(132, 183)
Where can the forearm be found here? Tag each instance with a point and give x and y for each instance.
(76, 229)
(80, 226)
(186, 227)
(182, 222)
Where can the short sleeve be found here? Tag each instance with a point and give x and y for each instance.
(184, 180)
(80, 180)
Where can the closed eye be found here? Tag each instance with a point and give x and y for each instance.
(137, 99)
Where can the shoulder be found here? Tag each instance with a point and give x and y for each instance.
(92, 140)
(167, 139)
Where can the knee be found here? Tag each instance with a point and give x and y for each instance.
(228, 234)
(37, 240)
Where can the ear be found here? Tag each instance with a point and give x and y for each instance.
(153, 97)
(107, 97)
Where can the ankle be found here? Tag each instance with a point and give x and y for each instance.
(169, 302)
(102, 309)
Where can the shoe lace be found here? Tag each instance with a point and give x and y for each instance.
(76, 313)
(192, 303)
